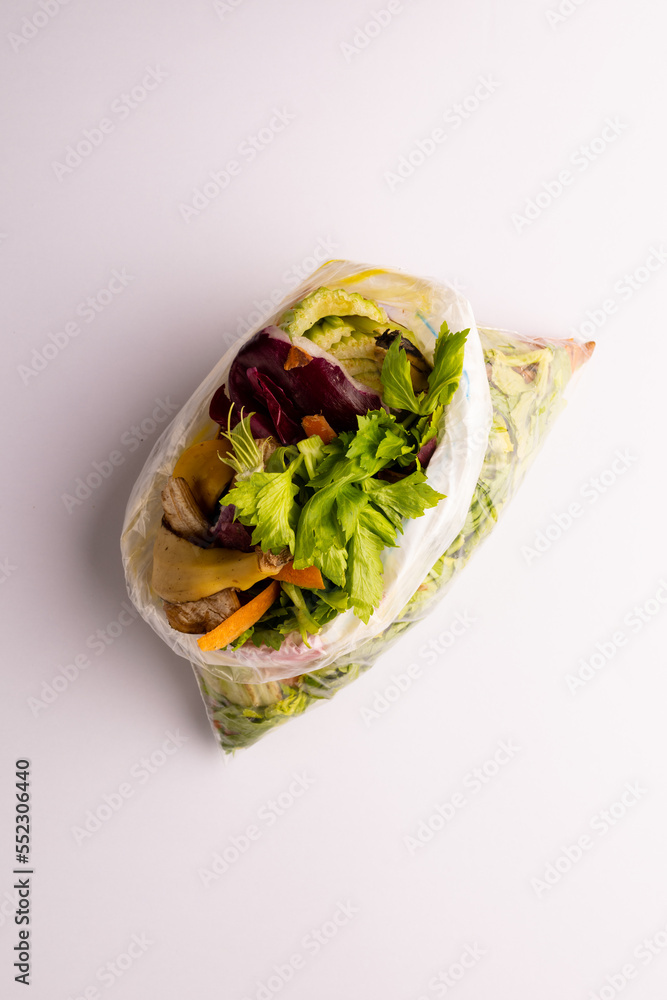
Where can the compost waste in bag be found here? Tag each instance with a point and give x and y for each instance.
(326, 481)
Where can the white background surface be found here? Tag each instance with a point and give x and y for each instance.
(372, 783)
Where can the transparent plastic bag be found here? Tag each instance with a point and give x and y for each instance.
(491, 432)
(453, 470)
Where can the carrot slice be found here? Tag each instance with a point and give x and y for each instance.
(318, 424)
(297, 358)
(310, 578)
(236, 624)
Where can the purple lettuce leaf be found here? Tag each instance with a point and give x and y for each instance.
(321, 386)
(231, 534)
(283, 414)
(261, 424)
(425, 453)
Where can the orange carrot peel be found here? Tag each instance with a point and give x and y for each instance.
(310, 578)
(297, 358)
(319, 425)
(236, 624)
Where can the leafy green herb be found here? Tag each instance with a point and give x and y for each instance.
(337, 598)
(398, 391)
(408, 498)
(396, 380)
(352, 517)
(306, 624)
(350, 501)
(319, 539)
(312, 449)
(267, 637)
(427, 427)
(305, 611)
(379, 440)
(281, 458)
(364, 576)
(326, 505)
(266, 500)
(447, 368)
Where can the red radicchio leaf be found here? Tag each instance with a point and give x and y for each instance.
(321, 386)
(261, 425)
(425, 453)
(288, 429)
(231, 534)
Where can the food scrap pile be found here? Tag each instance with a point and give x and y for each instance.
(327, 423)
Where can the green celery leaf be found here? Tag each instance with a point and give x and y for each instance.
(332, 562)
(281, 458)
(267, 636)
(278, 513)
(312, 449)
(363, 580)
(248, 634)
(398, 391)
(244, 497)
(306, 624)
(396, 381)
(447, 368)
(337, 598)
(337, 472)
(409, 497)
(267, 501)
(329, 467)
(379, 441)
(324, 613)
(427, 427)
(350, 501)
(378, 523)
(319, 537)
